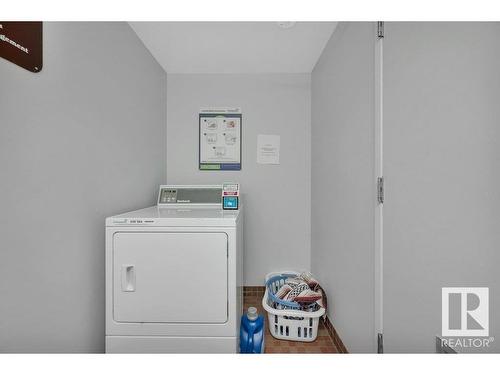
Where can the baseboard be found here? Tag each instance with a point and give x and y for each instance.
(335, 336)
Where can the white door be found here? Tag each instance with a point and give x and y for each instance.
(442, 174)
(166, 277)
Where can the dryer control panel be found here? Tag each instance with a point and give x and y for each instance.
(230, 196)
(186, 195)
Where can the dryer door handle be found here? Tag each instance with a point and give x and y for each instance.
(128, 278)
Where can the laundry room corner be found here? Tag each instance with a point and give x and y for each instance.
(276, 197)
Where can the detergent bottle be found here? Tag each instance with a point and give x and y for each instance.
(252, 332)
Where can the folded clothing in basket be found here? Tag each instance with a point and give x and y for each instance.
(303, 289)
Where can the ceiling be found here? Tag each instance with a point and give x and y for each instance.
(235, 47)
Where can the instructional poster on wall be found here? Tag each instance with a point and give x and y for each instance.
(220, 139)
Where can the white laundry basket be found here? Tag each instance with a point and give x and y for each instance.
(290, 324)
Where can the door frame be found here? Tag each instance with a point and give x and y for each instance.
(378, 173)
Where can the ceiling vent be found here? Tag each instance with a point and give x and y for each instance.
(286, 25)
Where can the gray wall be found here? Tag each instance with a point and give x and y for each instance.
(441, 161)
(81, 140)
(277, 197)
(342, 181)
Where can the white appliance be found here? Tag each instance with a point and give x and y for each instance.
(174, 275)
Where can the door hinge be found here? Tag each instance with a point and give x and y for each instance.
(380, 343)
(380, 190)
(443, 348)
(380, 29)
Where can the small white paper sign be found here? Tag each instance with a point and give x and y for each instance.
(268, 149)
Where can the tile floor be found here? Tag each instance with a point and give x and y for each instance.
(322, 344)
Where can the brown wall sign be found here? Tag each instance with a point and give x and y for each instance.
(21, 43)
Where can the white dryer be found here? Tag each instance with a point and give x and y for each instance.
(174, 275)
